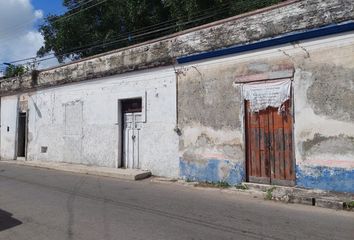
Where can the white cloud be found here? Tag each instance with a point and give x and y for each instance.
(38, 14)
(18, 37)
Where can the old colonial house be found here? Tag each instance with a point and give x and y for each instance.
(264, 97)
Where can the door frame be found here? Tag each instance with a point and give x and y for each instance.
(25, 134)
(246, 138)
(120, 119)
(131, 140)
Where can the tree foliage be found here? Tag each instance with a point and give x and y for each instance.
(15, 71)
(90, 27)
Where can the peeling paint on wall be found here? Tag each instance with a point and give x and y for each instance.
(340, 145)
(324, 139)
(207, 90)
(326, 178)
(331, 93)
(324, 90)
(213, 171)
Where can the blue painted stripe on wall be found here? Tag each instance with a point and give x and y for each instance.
(325, 178)
(283, 39)
(212, 170)
(315, 177)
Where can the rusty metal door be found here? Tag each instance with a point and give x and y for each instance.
(270, 146)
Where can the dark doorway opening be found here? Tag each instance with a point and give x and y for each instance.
(21, 135)
(131, 105)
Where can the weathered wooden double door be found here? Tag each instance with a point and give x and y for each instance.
(269, 152)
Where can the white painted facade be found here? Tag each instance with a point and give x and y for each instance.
(80, 123)
(8, 127)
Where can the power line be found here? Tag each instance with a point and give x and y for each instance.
(136, 34)
(22, 60)
(154, 27)
(179, 19)
(75, 13)
(139, 33)
(80, 4)
(25, 25)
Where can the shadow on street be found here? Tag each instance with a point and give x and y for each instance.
(7, 221)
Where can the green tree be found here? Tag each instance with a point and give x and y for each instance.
(81, 28)
(15, 71)
(214, 9)
(94, 26)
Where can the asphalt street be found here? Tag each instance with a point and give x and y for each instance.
(46, 204)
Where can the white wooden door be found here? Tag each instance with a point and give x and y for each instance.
(131, 139)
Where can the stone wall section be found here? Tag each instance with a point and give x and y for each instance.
(276, 20)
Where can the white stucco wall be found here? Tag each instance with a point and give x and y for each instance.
(77, 122)
(8, 127)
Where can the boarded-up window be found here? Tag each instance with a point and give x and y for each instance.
(73, 118)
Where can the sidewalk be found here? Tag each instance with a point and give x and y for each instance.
(318, 198)
(129, 174)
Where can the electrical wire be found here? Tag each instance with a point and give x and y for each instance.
(121, 39)
(24, 26)
(140, 30)
(80, 4)
(75, 13)
(136, 34)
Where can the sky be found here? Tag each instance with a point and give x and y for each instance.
(19, 21)
(49, 6)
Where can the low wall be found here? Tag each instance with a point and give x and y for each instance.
(265, 23)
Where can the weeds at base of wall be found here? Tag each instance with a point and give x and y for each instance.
(269, 193)
(220, 184)
(241, 186)
(349, 205)
(223, 184)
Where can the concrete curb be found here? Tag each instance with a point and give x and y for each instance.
(194, 185)
(317, 198)
(127, 174)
